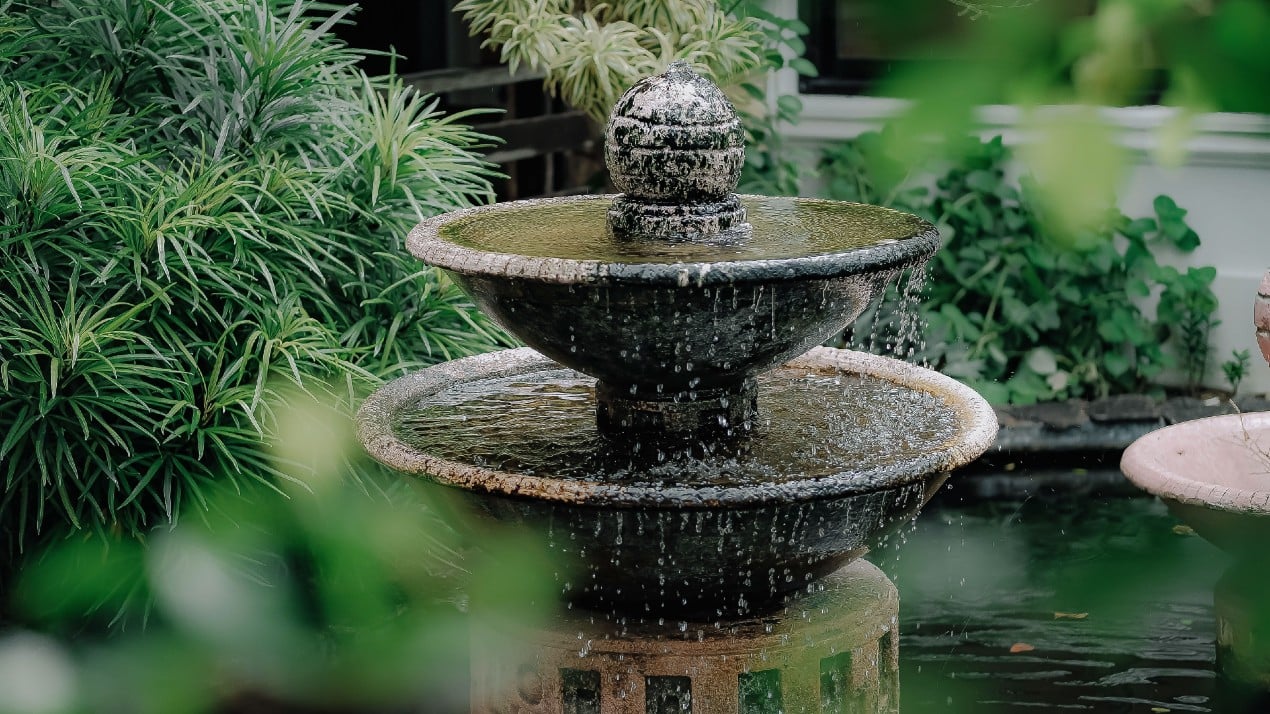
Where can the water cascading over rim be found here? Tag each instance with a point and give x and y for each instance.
(685, 292)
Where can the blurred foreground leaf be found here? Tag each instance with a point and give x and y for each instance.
(324, 594)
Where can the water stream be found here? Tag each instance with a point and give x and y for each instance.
(1063, 603)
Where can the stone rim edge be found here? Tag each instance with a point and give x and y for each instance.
(377, 416)
(425, 243)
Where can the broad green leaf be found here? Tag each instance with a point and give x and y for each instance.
(1042, 361)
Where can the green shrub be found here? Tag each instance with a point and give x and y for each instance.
(1024, 314)
(199, 200)
(590, 53)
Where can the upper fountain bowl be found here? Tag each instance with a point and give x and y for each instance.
(673, 321)
(677, 292)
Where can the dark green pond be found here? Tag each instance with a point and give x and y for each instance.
(1106, 606)
(1066, 603)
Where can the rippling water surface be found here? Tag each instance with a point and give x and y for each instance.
(1055, 604)
(782, 228)
(809, 425)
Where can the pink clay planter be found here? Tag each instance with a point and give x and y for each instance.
(1214, 475)
(1261, 317)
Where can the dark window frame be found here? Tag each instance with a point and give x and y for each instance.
(860, 76)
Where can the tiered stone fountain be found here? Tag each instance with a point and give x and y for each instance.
(673, 426)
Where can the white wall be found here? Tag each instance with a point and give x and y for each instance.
(1229, 207)
(1224, 184)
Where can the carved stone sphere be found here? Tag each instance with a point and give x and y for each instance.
(675, 138)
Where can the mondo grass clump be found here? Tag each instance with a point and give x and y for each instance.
(202, 205)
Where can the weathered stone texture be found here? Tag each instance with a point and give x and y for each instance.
(675, 147)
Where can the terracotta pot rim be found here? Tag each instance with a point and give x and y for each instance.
(378, 416)
(425, 243)
(1148, 463)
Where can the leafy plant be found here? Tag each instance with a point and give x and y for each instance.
(1024, 315)
(1236, 368)
(771, 167)
(592, 52)
(201, 200)
(328, 599)
(1192, 56)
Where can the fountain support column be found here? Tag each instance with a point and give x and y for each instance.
(835, 651)
(674, 147)
(621, 412)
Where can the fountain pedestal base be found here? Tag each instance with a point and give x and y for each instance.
(833, 650)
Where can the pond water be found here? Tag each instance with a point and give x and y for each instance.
(1050, 604)
(1061, 603)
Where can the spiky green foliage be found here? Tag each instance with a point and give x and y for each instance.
(591, 52)
(200, 200)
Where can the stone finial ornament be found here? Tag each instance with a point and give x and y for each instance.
(674, 148)
(1261, 317)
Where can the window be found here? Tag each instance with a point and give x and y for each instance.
(857, 44)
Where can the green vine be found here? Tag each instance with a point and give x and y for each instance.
(1023, 315)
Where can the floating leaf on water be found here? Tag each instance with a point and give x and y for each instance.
(1018, 647)
(1183, 530)
(1070, 615)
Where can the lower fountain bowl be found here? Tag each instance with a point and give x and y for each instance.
(735, 531)
(708, 563)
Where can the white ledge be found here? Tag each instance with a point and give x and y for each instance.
(1220, 139)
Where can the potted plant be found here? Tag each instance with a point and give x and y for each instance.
(1214, 475)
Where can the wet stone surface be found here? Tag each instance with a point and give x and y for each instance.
(505, 236)
(695, 556)
(668, 319)
(809, 425)
(850, 447)
(674, 345)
